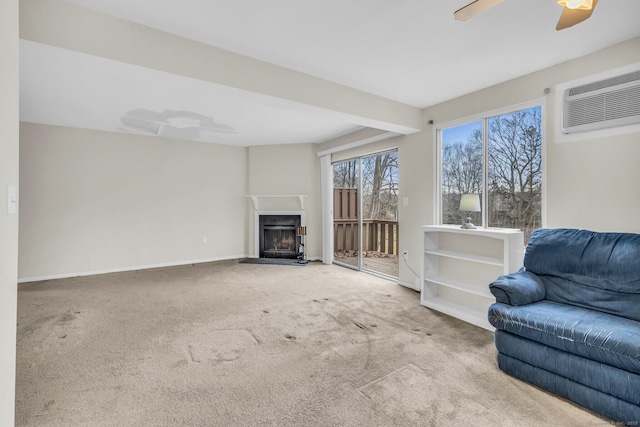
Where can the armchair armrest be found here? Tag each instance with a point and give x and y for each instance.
(519, 288)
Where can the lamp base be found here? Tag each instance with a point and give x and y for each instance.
(467, 224)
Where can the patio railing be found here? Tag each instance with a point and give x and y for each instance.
(377, 235)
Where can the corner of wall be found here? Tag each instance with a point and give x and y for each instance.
(9, 160)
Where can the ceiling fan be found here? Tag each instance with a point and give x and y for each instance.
(574, 12)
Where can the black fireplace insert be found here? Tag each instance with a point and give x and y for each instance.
(278, 236)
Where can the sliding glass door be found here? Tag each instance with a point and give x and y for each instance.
(366, 213)
(346, 223)
(380, 213)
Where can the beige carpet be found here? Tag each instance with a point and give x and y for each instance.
(230, 344)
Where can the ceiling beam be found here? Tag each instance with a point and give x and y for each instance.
(67, 26)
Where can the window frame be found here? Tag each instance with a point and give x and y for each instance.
(484, 117)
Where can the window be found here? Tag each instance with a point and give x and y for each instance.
(500, 159)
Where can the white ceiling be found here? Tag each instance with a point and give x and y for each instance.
(85, 91)
(411, 51)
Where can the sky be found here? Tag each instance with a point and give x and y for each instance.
(460, 133)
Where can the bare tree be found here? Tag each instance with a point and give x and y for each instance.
(515, 170)
(461, 174)
(345, 174)
(514, 150)
(380, 186)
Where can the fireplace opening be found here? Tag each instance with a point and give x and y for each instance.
(278, 236)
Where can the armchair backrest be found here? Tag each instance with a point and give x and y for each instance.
(588, 269)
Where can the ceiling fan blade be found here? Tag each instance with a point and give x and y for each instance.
(571, 17)
(474, 8)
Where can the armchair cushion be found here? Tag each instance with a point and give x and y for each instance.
(519, 288)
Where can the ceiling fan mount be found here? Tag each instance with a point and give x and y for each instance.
(573, 12)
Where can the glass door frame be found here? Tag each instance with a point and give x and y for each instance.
(358, 265)
(360, 188)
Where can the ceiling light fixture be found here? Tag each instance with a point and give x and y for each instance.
(173, 123)
(577, 4)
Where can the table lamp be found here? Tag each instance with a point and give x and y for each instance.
(469, 203)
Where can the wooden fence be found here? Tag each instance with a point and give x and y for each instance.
(377, 235)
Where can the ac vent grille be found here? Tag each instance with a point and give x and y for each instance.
(605, 106)
(613, 81)
(602, 104)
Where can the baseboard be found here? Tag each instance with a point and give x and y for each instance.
(121, 269)
(409, 285)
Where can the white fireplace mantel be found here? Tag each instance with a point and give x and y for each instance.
(256, 198)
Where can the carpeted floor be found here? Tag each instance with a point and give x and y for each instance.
(231, 344)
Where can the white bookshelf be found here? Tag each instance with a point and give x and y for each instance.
(459, 264)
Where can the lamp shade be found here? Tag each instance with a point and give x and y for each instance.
(470, 203)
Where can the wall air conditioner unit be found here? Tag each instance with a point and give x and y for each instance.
(607, 103)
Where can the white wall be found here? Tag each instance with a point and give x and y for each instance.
(9, 116)
(96, 201)
(99, 201)
(287, 170)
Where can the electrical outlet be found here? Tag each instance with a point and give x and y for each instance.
(405, 255)
(205, 240)
(12, 200)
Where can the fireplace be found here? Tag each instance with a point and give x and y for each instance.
(278, 236)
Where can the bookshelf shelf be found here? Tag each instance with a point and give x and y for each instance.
(459, 264)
